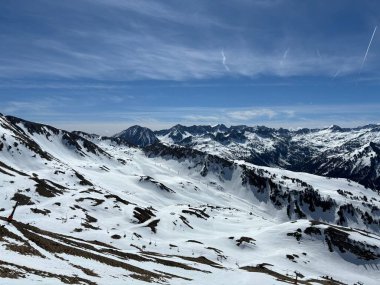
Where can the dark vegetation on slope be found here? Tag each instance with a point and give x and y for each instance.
(59, 244)
(307, 203)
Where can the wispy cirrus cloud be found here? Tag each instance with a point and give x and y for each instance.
(33, 105)
(179, 13)
(224, 59)
(201, 118)
(168, 40)
(132, 58)
(246, 115)
(21, 106)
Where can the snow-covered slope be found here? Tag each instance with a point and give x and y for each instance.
(334, 151)
(94, 211)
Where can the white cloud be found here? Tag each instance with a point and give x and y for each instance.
(202, 118)
(289, 113)
(107, 123)
(224, 61)
(246, 115)
(143, 52)
(36, 105)
(161, 10)
(130, 57)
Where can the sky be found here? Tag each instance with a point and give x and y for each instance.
(101, 66)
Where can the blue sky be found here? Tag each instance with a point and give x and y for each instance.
(103, 65)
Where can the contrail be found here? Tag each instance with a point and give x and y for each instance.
(336, 74)
(369, 45)
(285, 54)
(224, 61)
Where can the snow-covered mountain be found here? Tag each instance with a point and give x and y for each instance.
(335, 152)
(94, 210)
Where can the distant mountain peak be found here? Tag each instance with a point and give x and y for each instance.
(220, 127)
(335, 128)
(177, 126)
(137, 135)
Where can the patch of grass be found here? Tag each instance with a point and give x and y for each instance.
(201, 260)
(37, 236)
(14, 271)
(86, 271)
(260, 268)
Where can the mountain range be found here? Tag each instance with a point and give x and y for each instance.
(352, 153)
(189, 205)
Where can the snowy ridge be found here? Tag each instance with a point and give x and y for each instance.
(96, 211)
(336, 152)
